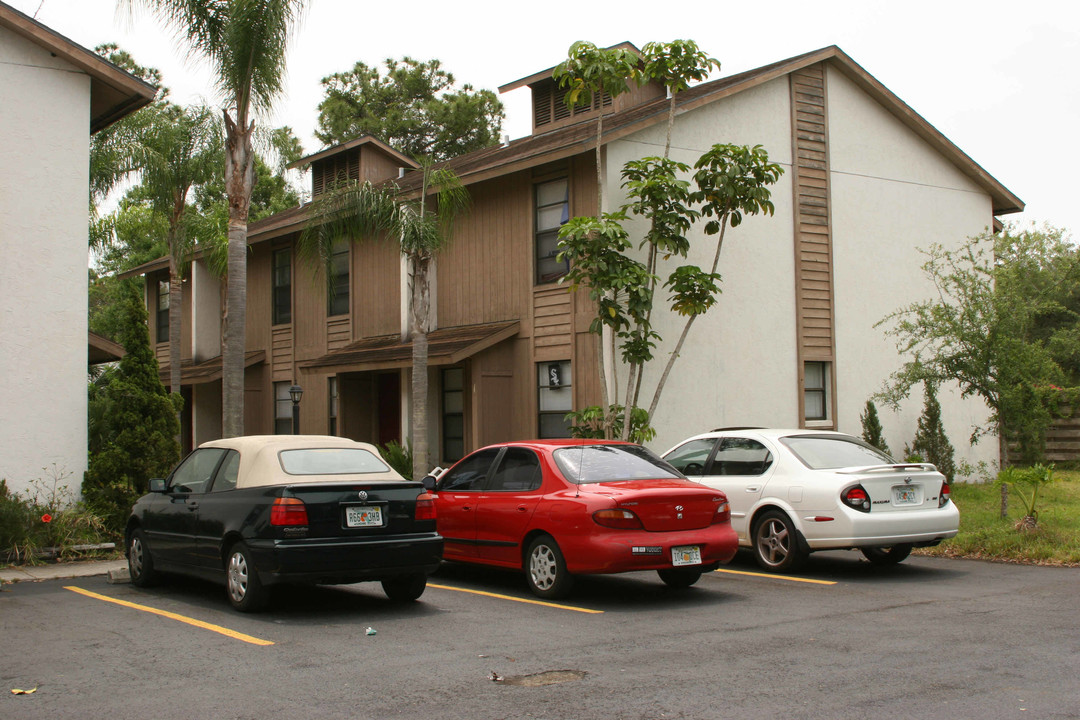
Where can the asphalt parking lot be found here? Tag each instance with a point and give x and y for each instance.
(930, 638)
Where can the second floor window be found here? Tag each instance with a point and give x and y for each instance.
(339, 279)
(162, 315)
(552, 212)
(282, 290)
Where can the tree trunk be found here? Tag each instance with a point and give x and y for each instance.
(176, 315)
(419, 314)
(239, 181)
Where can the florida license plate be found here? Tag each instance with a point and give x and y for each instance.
(686, 555)
(905, 495)
(363, 516)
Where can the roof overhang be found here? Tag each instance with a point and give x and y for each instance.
(546, 74)
(114, 93)
(102, 350)
(446, 346)
(207, 371)
(374, 142)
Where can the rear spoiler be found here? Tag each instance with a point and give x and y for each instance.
(900, 467)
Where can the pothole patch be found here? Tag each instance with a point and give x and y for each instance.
(548, 677)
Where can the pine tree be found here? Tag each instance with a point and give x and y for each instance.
(930, 440)
(871, 428)
(133, 425)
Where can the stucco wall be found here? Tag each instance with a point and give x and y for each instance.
(892, 195)
(737, 366)
(44, 176)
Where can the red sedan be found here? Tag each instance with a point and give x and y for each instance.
(558, 508)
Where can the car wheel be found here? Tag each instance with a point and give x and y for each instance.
(246, 592)
(405, 587)
(140, 563)
(546, 569)
(776, 543)
(887, 555)
(679, 577)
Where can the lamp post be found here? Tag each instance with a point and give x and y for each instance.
(296, 392)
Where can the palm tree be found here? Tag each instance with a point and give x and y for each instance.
(357, 210)
(245, 42)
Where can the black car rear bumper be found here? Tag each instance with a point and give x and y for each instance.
(334, 561)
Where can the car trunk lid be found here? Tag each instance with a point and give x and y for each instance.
(898, 488)
(344, 509)
(665, 505)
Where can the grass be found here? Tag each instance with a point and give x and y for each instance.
(985, 535)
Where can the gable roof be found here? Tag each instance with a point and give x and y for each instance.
(581, 137)
(114, 93)
(375, 143)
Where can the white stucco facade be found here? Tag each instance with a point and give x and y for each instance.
(891, 194)
(44, 176)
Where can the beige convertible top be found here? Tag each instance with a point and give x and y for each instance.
(260, 459)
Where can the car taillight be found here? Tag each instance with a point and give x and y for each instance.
(944, 495)
(617, 518)
(856, 498)
(288, 511)
(425, 506)
(723, 513)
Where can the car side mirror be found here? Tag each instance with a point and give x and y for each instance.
(157, 485)
(429, 482)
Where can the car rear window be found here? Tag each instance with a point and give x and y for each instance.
(607, 463)
(330, 461)
(821, 452)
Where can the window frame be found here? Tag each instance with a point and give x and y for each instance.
(161, 310)
(337, 284)
(537, 232)
(333, 397)
(281, 292)
(824, 391)
(446, 437)
(279, 403)
(543, 368)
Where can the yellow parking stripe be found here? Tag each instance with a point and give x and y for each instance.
(776, 577)
(517, 599)
(173, 616)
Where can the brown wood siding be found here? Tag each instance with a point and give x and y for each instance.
(281, 354)
(553, 327)
(376, 167)
(259, 310)
(814, 290)
(550, 110)
(375, 288)
(485, 272)
(338, 332)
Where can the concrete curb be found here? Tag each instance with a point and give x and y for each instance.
(39, 573)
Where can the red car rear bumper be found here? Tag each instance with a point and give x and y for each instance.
(616, 551)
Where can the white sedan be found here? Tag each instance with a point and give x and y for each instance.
(796, 491)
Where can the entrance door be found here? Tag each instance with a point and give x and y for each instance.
(389, 405)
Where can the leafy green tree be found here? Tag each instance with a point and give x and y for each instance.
(675, 65)
(987, 330)
(131, 422)
(871, 428)
(931, 442)
(413, 106)
(360, 211)
(245, 43)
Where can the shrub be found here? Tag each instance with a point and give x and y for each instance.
(931, 443)
(871, 428)
(48, 516)
(1031, 479)
(399, 458)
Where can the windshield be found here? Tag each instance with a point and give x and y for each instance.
(583, 464)
(330, 461)
(825, 452)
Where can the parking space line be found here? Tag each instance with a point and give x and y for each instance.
(776, 577)
(517, 599)
(173, 616)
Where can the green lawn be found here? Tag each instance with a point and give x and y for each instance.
(984, 534)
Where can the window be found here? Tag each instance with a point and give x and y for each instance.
(555, 398)
(815, 390)
(163, 311)
(332, 394)
(470, 473)
(226, 476)
(584, 464)
(331, 461)
(338, 301)
(193, 475)
(518, 471)
(282, 409)
(741, 456)
(552, 211)
(282, 287)
(690, 458)
(819, 452)
(453, 414)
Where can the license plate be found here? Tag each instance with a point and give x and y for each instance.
(686, 555)
(363, 516)
(905, 495)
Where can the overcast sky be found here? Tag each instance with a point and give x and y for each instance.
(999, 79)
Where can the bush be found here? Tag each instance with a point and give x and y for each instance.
(931, 443)
(133, 425)
(871, 428)
(399, 458)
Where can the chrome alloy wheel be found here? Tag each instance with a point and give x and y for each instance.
(543, 567)
(774, 542)
(136, 556)
(238, 577)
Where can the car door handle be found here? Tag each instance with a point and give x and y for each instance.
(522, 508)
(193, 506)
(753, 488)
